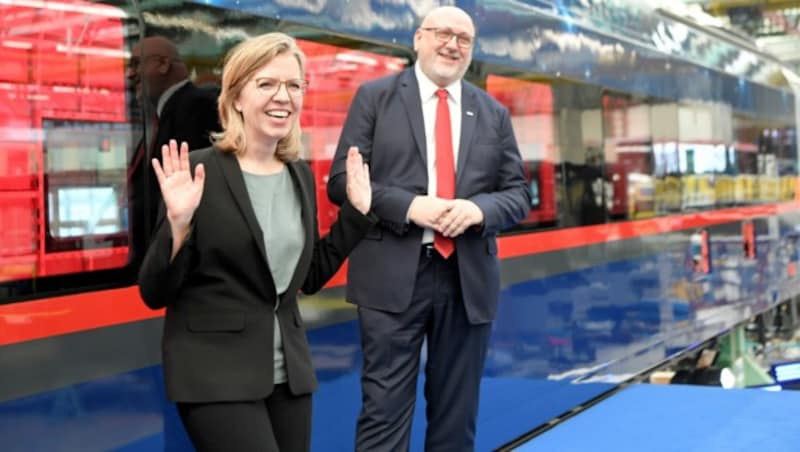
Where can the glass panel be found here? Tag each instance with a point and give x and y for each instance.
(694, 163)
(531, 108)
(334, 74)
(763, 153)
(580, 137)
(85, 176)
(628, 151)
(64, 139)
(704, 133)
(558, 129)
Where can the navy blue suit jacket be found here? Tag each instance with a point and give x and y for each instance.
(385, 121)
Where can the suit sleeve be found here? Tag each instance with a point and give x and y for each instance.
(510, 202)
(389, 203)
(331, 251)
(160, 280)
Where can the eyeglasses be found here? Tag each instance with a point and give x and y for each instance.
(444, 35)
(269, 86)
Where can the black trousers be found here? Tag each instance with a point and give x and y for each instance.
(392, 343)
(281, 422)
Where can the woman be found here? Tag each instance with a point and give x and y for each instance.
(238, 240)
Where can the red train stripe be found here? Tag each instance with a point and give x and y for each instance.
(524, 244)
(20, 322)
(31, 320)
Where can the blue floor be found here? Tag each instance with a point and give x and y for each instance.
(672, 418)
(508, 407)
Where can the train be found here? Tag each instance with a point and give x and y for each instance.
(661, 157)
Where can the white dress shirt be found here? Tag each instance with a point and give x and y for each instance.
(427, 94)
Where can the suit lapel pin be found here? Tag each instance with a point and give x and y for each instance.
(470, 113)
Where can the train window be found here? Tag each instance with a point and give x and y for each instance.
(629, 154)
(83, 211)
(764, 154)
(667, 157)
(85, 182)
(334, 72)
(66, 134)
(558, 129)
(334, 75)
(71, 135)
(531, 107)
(578, 109)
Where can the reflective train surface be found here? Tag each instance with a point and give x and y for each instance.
(661, 157)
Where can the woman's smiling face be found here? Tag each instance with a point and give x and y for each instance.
(272, 99)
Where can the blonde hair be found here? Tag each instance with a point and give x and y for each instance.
(241, 63)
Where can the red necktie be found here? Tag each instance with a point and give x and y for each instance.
(445, 169)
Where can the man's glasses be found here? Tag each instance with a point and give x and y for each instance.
(444, 35)
(270, 86)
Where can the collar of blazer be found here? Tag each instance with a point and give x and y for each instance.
(409, 92)
(303, 182)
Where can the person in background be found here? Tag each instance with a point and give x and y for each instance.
(160, 77)
(176, 109)
(236, 241)
(447, 176)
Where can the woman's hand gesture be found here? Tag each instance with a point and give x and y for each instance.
(359, 190)
(180, 191)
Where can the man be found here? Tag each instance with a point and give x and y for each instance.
(446, 177)
(178, 110)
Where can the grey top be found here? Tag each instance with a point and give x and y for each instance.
(277, 207)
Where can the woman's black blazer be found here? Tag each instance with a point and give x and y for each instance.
(219, 293)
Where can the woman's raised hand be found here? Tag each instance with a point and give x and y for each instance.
(359, 190)
(180, 191)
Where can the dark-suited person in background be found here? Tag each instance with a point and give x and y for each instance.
(446, 178)
(176, 109)
(238, 241)
(160, 77)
